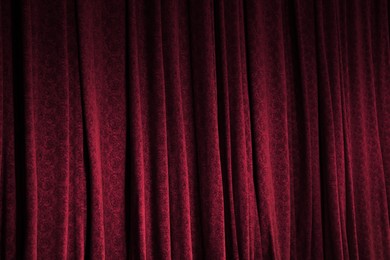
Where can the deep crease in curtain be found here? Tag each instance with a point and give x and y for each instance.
(194, 129)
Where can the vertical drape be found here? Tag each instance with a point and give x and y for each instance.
(222, 129)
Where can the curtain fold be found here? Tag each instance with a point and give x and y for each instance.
(194, 129)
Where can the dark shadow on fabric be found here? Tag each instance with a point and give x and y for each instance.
(19, 126)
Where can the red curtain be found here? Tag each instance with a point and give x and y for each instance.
(194, 129)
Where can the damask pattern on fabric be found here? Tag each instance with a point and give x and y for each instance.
(191, 129)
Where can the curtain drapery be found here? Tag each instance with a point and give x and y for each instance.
(194, 129)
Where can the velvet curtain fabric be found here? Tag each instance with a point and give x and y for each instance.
(194, 129)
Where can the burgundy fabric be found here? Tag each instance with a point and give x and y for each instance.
(199, 129)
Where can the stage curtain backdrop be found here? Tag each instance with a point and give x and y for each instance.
(199, 129)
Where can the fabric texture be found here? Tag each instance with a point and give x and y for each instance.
(174, 129)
